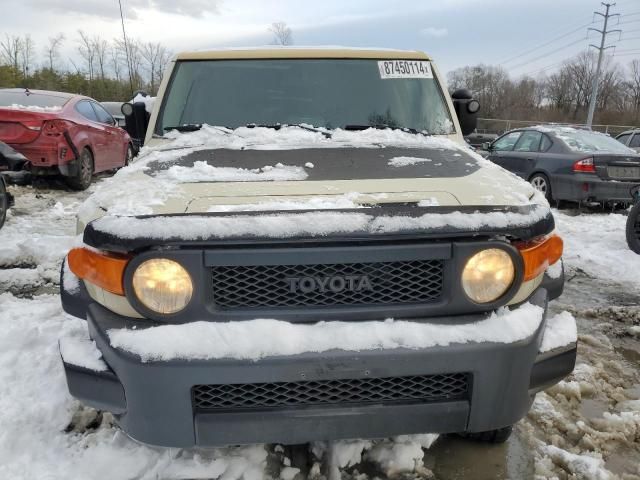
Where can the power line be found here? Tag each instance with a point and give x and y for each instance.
(547, 54)
(596, 79)
(526, 52)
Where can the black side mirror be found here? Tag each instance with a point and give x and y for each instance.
(136, 120)
(467, 109)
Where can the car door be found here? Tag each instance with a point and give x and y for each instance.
(501, 150)
(99, 137)
(525, 153)
(634, 143)
(115, 145)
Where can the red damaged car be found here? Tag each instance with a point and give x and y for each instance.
(61, 133)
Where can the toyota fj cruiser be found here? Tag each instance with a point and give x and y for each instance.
(307, 250)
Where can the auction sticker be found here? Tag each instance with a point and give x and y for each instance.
(404, 69)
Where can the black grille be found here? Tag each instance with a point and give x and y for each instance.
(404, 282)
(327, 392)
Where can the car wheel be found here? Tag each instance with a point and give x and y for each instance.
(499, 435)
(541, 183)
(633, 228)
(4, 204)
(82, 179)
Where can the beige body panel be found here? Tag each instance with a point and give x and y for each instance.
(486, 186)
(301, 52)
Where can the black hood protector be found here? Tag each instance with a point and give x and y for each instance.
(542, 223)
(339, 163)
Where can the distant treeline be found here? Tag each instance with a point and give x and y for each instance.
(103, 70)
(562, 96)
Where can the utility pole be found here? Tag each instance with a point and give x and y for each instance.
(126, 47)
(596, 79)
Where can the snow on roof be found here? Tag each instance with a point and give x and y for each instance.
(582, 140)
(255, 339)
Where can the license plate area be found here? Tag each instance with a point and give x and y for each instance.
(624, 172)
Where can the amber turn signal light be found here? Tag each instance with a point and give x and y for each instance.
(102, 269)
(539, 254)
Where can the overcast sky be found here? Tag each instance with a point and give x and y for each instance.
(454, 32)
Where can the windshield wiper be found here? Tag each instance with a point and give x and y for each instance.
(186, 127)
(384, 126)
(278, 126)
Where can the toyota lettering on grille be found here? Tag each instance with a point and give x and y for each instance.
(332, 283)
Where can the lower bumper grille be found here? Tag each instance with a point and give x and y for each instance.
(332, 392)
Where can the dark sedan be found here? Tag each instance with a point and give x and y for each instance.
(567, 163)
(630, 138)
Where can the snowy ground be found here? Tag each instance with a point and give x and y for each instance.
(586, 427)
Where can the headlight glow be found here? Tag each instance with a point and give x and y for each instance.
(162, 285)
(488, 275)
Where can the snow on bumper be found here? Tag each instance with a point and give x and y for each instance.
(495, 376)
(255, 339)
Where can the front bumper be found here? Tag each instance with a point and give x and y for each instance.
(588, 187)
(153, 401)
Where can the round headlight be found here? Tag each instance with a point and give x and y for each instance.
(126, 109)
(473, 106)
(162, 285)
(488, 275)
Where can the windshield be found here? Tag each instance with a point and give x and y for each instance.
(8, 99)
(586, 141)
(322, 93)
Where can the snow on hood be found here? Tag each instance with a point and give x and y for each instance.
(133, 191)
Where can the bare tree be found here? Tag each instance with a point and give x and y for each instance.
(633, 86)
(11, 51)
(282, 34)
(52, 50)
(134, 60)
(27, 54)
(116, 59)
(86, 49)
(156, 57)
(100, 47)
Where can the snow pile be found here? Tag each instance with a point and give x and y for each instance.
(33, 108)
(71, 283)
(38, 233)
(203, 172)
(35, 410)
(596, 244)
(81, 351)
(401, 454)
(555, 271)
(149, 102)
(586, 467)
(406, 161)
(255, 339)
(288, 225)
(560, 330)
